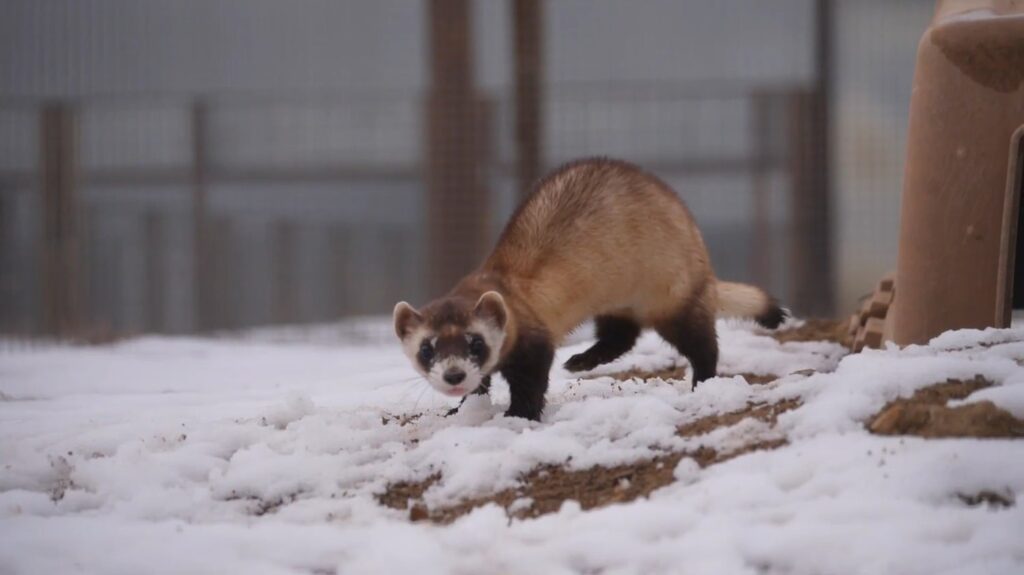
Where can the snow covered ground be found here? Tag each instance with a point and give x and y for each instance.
(267, 454)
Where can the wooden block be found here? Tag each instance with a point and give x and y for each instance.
(888, 283)
(879, 304)
(873, 331)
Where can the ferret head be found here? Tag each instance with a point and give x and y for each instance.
(454, 342)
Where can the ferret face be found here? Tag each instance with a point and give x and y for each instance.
(454, 343)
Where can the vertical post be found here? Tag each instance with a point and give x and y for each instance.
(822, 163)
(456, 198)
(340, 241)
(155, 278)
(802, 292)
(760, 134)
(9, 295)
(202, 298)
(812, 286)
(223, 311)
(283, 283)
(60, 249)
(527, 17)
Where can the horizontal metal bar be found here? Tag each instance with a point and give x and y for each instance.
(283, 175)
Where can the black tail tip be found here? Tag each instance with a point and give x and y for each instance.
(773, 316)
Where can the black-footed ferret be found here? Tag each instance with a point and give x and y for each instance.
(597, 238)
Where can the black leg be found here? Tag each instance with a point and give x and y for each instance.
(526, 371)
(692, 332)
(485, 387)
(615, 336)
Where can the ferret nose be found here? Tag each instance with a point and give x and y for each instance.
(454, 376)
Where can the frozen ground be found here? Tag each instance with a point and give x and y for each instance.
(267, 455)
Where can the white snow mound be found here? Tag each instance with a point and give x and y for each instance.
(267, 455)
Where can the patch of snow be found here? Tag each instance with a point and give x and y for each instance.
(170, 455)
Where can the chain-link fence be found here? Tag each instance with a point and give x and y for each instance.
(190, 207)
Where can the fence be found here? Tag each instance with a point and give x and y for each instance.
(163, 215)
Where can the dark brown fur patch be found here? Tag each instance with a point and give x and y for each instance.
(692, 332)
(448, 312)
(526, 371)
(452, 345)
(615, 336)
(772, 317)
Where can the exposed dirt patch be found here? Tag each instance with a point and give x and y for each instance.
(678, 373)
(766, 412)
(988, 498)
(942, 393)
(398, 495)
(754, 378)
(258, 507)
(926, 414)
(63, 482)
(401, 419)
(833, 330)
(546, 488)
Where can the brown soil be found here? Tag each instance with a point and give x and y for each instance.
(754, 378)
(988, 498)
(678, 373)
(402, 419)
(546, 488)
(399, 494)
(668, 374)
(766, 412)
(259, 507)
(833, 330)
(925, 414)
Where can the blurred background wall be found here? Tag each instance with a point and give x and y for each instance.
(216, 164)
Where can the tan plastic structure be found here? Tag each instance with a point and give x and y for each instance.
(958, 229)
(867, 327)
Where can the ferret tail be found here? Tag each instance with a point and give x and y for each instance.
(742, 300)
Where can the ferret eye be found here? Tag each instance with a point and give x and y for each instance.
(426, 352)
(477, 347)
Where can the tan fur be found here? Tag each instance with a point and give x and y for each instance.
(602, 237)
(741, 300)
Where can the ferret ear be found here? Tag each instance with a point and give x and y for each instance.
(406, 319)
(491, 307)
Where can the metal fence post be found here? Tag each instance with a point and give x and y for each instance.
(156, 279)
(761, 253)
(202, 299)
(811, 283)
(528, 30)
(456, 194)
(57, 164)
(283, 285)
